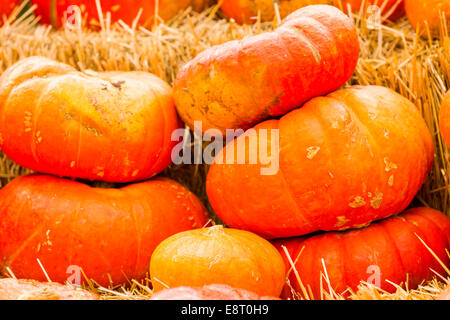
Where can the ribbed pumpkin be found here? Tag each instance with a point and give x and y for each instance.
(112, 126)
(108, 233)
(13, 289)
(357, 155)
(444, 118)
(240, 83)
(246, 11)
(386, 251)
(429, 11)
(57, 12)
(209, 292)
(218, 255)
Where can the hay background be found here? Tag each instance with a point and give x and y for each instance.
(391, 55)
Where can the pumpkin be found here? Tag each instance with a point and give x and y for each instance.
(389, 250)
(444, 118)
(341, 161)
(7, 7)
(240, 83)
(209, 292)
(390, 9)
(218, 255)
(112, 126)
(108, 233)
(58, 12)
(23, 289)
(427, 11)
(200, 5)
(246, 11)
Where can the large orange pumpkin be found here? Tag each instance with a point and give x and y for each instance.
(428, 11)
(444, 118)
(246, 11)
(240, 83)
(12, 289)
(109, 233)
(112, 126)
(58, 12)
(218, 255)
(344, 160)
(386, 251)
(209, 292)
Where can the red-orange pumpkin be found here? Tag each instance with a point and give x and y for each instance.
(112, 126)
(240, 83)
(444, 118)
(12, 289)
(357, 155)
(218, 255)
(108, 233)
(209, 292)
(246, 11)
(427, 11)
(389, 250)
(57, 12)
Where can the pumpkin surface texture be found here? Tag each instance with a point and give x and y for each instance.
(429, 12)
(218, 255)
(389, 250)
(444, 118)
(240, 83)
(357, 155)
(209, 292)
(112, 126)
(57, 12)
(390, 9)
(108, 233)
(12, 289)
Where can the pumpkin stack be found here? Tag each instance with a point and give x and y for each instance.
(113, 127)
(346, 161)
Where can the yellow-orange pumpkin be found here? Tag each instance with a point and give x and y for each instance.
(218, 255)
(357, 155)
(111, 126)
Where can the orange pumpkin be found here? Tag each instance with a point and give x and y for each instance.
(12, 289)
(357, 155)
(246, 11)
(218, 255)
(210, 292)
(110, 234)
(58, 12)
(427, 11)
(112, 126)
(444, 118)
(240, 83)
(386, 251)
